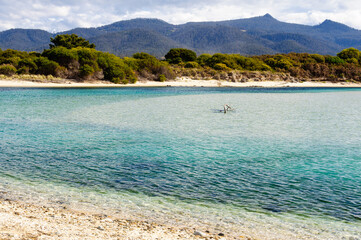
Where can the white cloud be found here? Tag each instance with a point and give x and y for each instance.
(63, 15)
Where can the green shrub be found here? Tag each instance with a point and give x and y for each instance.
(47, 67)
(11, 60)
(143, 55)
(191, 65)
(319, 58)
(7, 69)
(114, 68)
(217, 58)
(86, 71)
(23, 70)
(132, 78)
(279, 62)
(116, 80)
(334, 60)
(349, 53)
(162, 78)
(34, 54)
(252, 64)
(70, 41)
(87, 56)
(28, 64)
(203, 58)
(124, 81)
(228, 60)
(131, 62)
(119, 80)
(9, 53)
(352, 60)
(221, 66)
(61, 55)
(284, 64)
(177, 55)
(150, 64)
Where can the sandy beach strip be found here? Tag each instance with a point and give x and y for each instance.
(25, 221)
(180, 82)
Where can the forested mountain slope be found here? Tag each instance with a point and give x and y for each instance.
(251, 36)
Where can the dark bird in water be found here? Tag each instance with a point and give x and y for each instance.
(226, 108)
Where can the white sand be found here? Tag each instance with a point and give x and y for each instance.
(24, 221)
(180, 82)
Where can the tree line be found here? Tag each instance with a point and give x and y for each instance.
(73, 57)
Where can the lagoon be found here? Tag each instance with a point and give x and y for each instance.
(284, 164)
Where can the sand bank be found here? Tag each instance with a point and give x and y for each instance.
(180, 82)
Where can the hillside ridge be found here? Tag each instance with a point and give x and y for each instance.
(248, 36)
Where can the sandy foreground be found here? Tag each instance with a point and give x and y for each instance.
(25, 221)
(180, 82)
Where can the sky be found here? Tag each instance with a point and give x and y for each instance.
(55, 16)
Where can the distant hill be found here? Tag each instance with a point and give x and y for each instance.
(25, 39)
(250, 36)
(212, 39)
(128, 42)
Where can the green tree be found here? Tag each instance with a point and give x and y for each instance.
(226, 59)
(7, 69)
(221, 66)
(191, 65)
(86, 71)
(61, 55)
(352, 60)
(203, 58)
(252, 64)
(87, 56)
(147, 62)
(143, 55)
(279, 62)
(48, 67)
(177, 55)
(318, 58)
(28, 65)
(150, 67)
(334, 60)
(115, 69)
(162, 78)
(349, 53)
(70, 41)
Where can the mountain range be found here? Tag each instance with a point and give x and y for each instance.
(250, 36)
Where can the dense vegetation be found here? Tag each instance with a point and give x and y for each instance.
(346, 66)
(73, 57)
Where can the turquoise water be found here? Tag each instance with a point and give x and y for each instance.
(285, 159)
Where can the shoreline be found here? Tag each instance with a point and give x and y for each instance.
(26, 221)
(180, 82)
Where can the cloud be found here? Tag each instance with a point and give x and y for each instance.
(63, 15)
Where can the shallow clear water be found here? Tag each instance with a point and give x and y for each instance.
(283, 157)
